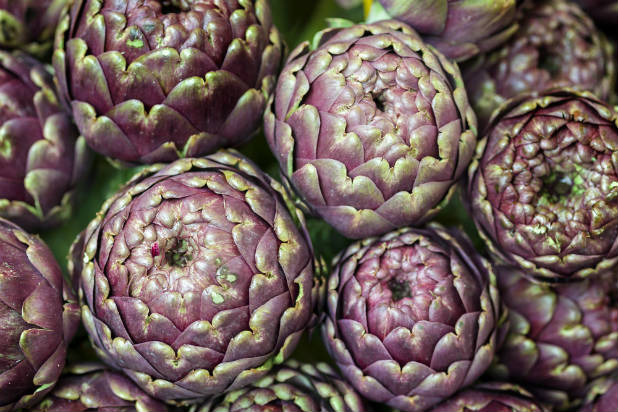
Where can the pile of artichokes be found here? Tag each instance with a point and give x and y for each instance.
(329, 206)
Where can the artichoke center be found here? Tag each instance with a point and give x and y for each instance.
(180, 254)
(174, 7)
(559, 186)
(550, 62)
(399, 289)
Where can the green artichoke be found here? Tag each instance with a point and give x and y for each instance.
(557, 45)
(29, 25)
(544, 189)
(560, 337)
(195, 278)
(42, 157)
(152, 80)
(492, 397)
(371, 128)
(412, 316)
(460, 29)
(293, 387)
(38, 318)
(602, 395)
(90, 387)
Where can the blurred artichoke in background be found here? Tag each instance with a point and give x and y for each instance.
(42, 157)
(371, 128)
(38, 318)
(460, 29)
(602, 395)
(560, 337)
(544, 190)
(294, 387)
(195, 277)
(603, 11)
(492, 397)
(90, 387)
(412, 316)
(29, 25)
(152, 81)
(557, 45)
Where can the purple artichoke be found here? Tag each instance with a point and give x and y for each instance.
(544, 190)
(152, 80)
(603, 11)
(371, 128)
(557, 45)
(38, 318)
(602, 395)
(412, 316)
(560, 337)
(42, 157)
(90, 387)
(460, 29)
(195, 277)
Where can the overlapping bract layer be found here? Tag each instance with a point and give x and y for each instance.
(559, 337)
(557, 45)
(153, 81)
(544, 190)
(602, 395)
(196, 278)
(412, 316)
(372, 128)
(38, 318)
(459, 29)
(42, 157)
(294, 387)
(91, 387)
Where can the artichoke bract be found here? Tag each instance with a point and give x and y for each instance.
(544, 188)
(557, 45)
(560, 337)
(91, 387)
(459, 29)
(371, 128)
(602, 395)
(412, 316)
(492, 397)
(293, 387)
(152, 81)
(195, 278)
(38, 318)
(42, 157)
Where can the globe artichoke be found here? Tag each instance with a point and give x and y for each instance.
(29, 25)
(153, 80)
(38, 318)
(459, 29)
(544, 190)
(90, 387)
(492, 397)
(559, 338)
(42, 157)
(412, 316)
(294, 387)
(195, 278)
(602, 396)
(371, 128)
(556, 46)
(603, 11)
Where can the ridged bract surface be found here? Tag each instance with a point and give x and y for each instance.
(196, 278)
(42, 157)
(602, 395)
(412, 316)
(544, 190)
(372, 128)
(152, 81)
(38, 318)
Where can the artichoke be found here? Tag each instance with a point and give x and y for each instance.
(460, 29)
(544, 190)
(42, 157)
(90, 387)
(152, 80)
(294, 387)
(29, 25)
(195, 278)
(371, 128)
(602, 395)
(492, 397)
(560, 337)
(412, 316)
(603, 11)
(556, 46)
(38, 318)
